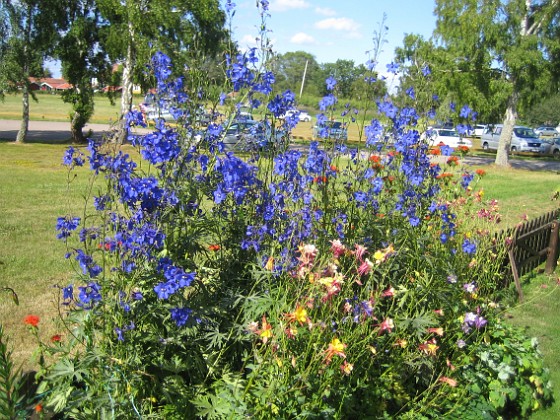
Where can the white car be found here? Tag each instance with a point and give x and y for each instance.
(477, 130)
(447, 137)
(302, 115)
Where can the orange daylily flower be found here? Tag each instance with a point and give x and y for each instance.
(266, 330)
(269, 266)
(335, 348)
(401, 343)
(449, 381)
(347, 368)
(429, 347)
(386, 325)
(299, 315)
(437, 331)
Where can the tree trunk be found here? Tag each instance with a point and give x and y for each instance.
(24, 127)
(504, 146)
(126, 94)
(76, 128)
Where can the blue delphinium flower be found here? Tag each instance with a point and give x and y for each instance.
(469, 247)
(465, 112)
(392, 68)
(68, 294)
(66, 225)
(330, 82)
(87, 264)
(180, 315)
(89, 295)
(327, 101)
(73, 157)
(229, 6)
(410, 92)
(466, 180)
(373, 133)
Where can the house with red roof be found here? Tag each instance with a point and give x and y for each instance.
(49, 84)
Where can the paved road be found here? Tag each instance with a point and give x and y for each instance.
(48, 131)
(59, 132)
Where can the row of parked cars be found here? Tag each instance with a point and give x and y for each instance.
(543, 140)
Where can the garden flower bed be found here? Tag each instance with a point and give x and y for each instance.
(335, 282)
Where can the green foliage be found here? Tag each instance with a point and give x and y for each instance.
(545, 112)
(12, 395)
(506, 370)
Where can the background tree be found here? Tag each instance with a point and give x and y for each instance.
(546, 112)
(345, 73)
(289, 69)
(133, 30)
(82, 59)
(504, 50)
(32, 29)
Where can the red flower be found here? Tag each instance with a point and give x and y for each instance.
(480, 172)
(39, 408)
(453, 160)
(214, 247)
(32, 320)
(56, 338)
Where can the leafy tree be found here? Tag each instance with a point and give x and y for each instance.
(506, 50)
(364, 85)
(82, 59)
(290, 67)
(546, 112)
(345, 73)
(134, 29)
(32, 29)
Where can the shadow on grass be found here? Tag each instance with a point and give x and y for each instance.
(42, 136)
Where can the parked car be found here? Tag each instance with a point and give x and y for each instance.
(524, 139)
(250, 135)
(160, 113)
(330, 130)
(447, 137)
(555, 147)
(546, 131)
(477, 130)
(302, 115)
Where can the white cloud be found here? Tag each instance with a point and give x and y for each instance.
(248, 41)
(326, 11)
(351, 27)
(283, 5)
(251, 41)
(302, 38)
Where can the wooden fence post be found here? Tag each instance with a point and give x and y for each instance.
(552, 257)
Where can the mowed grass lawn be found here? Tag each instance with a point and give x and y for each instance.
(34, 192)
(50, 107)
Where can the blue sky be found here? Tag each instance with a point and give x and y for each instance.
(336, 29)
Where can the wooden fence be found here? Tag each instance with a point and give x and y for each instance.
(531, 244)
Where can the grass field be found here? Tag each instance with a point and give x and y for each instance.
(34, 192)
(50, 107)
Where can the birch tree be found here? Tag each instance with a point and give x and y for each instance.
(509, 39)
(135, 29)
(31, 29)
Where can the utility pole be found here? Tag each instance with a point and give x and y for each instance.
(303, 78)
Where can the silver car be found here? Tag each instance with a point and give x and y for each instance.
(555, 147)
(523, 139)
(546, 131)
